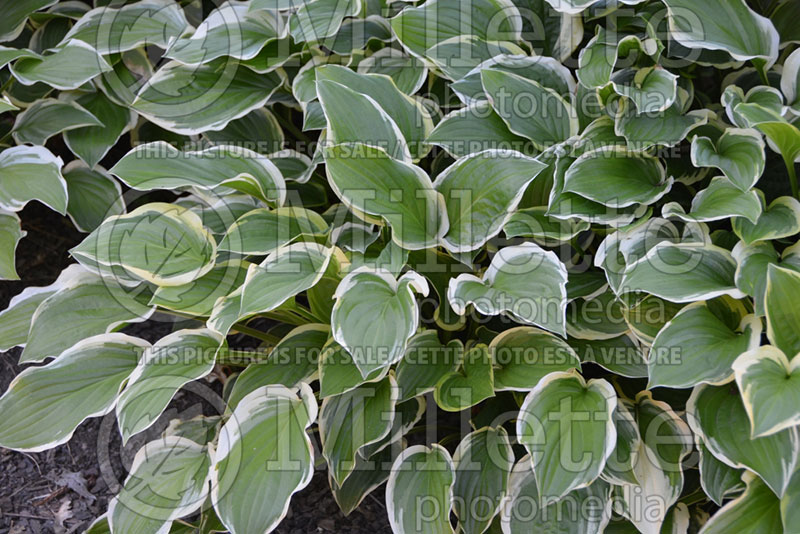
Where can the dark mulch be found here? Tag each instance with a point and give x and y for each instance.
(62, 490)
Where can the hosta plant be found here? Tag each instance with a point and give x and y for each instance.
(521, 266)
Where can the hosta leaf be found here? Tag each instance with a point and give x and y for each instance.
(572, 6)
(356, 34)
(473, 129)
(198, 296)
(621, 355)
(282, 275)
(92, 143)
(756, 511)
(231, 31)
(47, 117)
(353, 420)
(617, 178)
(66, 67)
(85, 305)
(783, 134)
(230, 166)
(710, 26)
(540, 300)
(753, 266)
(457, 56)
(189, 100)
(93, 195)
(15, 320)
(263, 457)
(293, 360)
(599, 58)
(31, 173)
(778, 220)
(650, 89)
(545, 230)
(490, 20)
(172, 362)
(783, 314)
(645, 130)
(344, 126)
(113, 30)
(542, 116)
(375, 315)
(261, 132)
(790, 80)
(582, 511)
(481, 191)
(17, 14)
(421, 474)
(338, 372)
(696, 346)
(408, 72)
(50, 402)
(768, 382)
(471, 384)
(483, 462)
(425, 362)
(321, 18)
(620, 467)
(738, 153)
(367, 475)
(368, 180)
(717, 414)
(789, 502)
(683, 272)
(410, 116)
(565, 424)
(262, 231)
(720, 200)
(10, 234)
(406, 415)
(524, 355)
(596, 317)
(154, 494)
(718, 479)
(159, 243)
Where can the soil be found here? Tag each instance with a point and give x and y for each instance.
(64, 489)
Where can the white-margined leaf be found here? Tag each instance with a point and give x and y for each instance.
(545, 230)
(198, 296)
(567, 427)
(263, 457)
(66, 67)
(778, 220)
(667, 128)
(92, 143)
(783, 313)
(50, 402)
(718, 479)
(540, 300)
(651, 89)
(471, 384)
(425, 361)
(755, 511)
(93, 195)
(408, 72)
(10, 233)
(16, 15)
(622, 355)
(722, 199)
(47, 117)
(368, 475)
(316, 20)
(753, 266)
(738, 153)
(338, 372)
(31, 173)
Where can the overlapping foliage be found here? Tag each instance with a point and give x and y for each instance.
(572, 223)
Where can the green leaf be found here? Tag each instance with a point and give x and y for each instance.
(264, 445)
(473, 129)
(768, 382)
(10, 234)
(566, 425)
(190, 99)
(540, 300)
(545, 230)
(168, 479)
(354, 420)
(369, 181)
(47, 117)
(31, 173)
(230, 31)
(160, 243)
(293, 360)
(481, 191)
(17, 14)
(489, 20)
(421, 474)
(283, 274)
(167, 167)
(738, 153)
(321, 18)
(262, 231)
(198, 296)
(338, 372)
(790, 79)
(261, 132)
(171, 363)
(458, 56)
(113, 30)
(84, 305)
(783, 134)
(778, 220)
(717, 414)
(753, 264)
(783, 314)
(425, 361)
(92, 143)
(470, 385)
(93, 195)
(542, 116)
(524, 355)
(367, 475)
(720, 200)
(596, 317)
(66, 67)
(620, 467)
(718, 479)
(728, 25)
(696, 347)
(789, 502)
(375, 315)
(50, 402)
(617, 178)
(408, 72)
(683, 272)
(651, 89)
(668, 128)
(483, 462)
(621, 355)
(756, 511)
(582, 511)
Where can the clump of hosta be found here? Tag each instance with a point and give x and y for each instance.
(571, 223)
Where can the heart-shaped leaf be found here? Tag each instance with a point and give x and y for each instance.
(473, 383)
